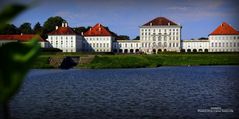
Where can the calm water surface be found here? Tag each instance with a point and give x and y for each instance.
(147, 93)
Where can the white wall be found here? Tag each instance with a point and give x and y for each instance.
(67, 43)
(160, 37)
(224, 43)
(198, 45)
(127, 46)
(98, 43)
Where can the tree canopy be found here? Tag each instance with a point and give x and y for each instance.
(51, 23)
(136, 38)
(9, 29)
(38, 29)
(26, 28)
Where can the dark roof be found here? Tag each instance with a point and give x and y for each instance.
(225, 29)
(22, 37)
(159, 21)
(98, 30)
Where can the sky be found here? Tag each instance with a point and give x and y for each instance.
(197, 17)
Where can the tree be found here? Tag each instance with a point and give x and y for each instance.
(9, 29)
(81, 29)
(51, 23)
(136, 38)
(123, 37)
(26, 28)
(38, 29)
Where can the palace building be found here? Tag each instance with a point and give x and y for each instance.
(66, 39)
(157, 35)
(98, 39)
(224, 39)
(160, 34)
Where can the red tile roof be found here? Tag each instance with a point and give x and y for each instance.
(22, 37)
(160, 21)
(63, 31)
(225, 29)
(98, 30)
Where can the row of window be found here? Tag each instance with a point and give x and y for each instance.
(61, 37)
(223, 50)
(98, 50)
(225, 44)
(104, 45)
(61, 45)
(224, 38)
(170, 33)
(100, 39)
(160, 44)
(60, 41)
(126, 45)
(160, 38)
(159, 30)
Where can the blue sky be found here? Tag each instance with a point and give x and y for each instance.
(198, 17)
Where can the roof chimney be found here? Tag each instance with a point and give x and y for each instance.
(99, 29)
(168, 23)
(21, 34)
(63, 24)
(66, 24)
(150, 23)
(82, 33)
(90, 29)
(56, 27)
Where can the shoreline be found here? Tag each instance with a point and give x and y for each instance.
(106, 61)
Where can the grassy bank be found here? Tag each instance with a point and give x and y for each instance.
(166, 59)
(138, 61)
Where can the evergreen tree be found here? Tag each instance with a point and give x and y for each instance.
(38, 29)
(26, 28)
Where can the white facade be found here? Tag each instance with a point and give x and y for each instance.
(127, 46)
(160, 38)
(98, 43)
(195, 45)
(224, 43)
(67, 43)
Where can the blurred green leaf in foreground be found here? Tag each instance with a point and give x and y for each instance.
(15, 60)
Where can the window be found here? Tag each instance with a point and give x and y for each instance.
(212, 44)
(215, 44)
(165, 44)
(159, 44)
